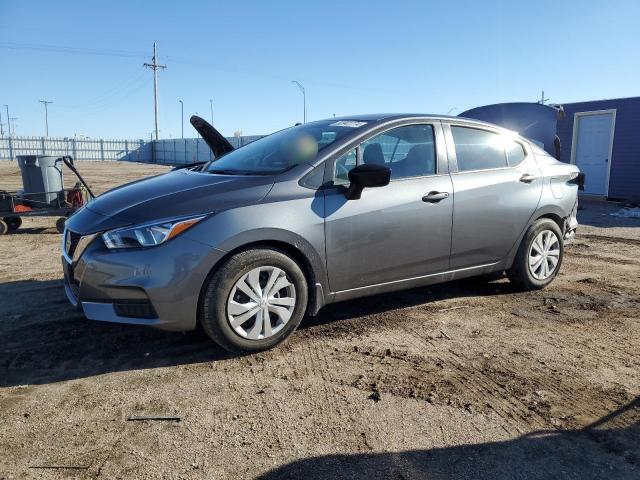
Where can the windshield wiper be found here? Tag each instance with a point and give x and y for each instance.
(228, 171)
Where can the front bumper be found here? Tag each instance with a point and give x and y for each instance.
(156, 286)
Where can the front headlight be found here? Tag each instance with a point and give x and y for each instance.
(148, 234)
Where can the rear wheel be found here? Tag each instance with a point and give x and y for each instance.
(4, 228)
(13, 222)
(539, 256)
(254, 301)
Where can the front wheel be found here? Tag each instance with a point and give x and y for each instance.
(254, 301)
(539, 256)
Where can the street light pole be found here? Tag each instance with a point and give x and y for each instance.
(211, 104)
(46, 115)
(304, 100)
(182, 116)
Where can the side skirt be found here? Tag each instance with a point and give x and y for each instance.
(418, 281)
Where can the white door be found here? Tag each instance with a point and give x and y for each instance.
(592, 149)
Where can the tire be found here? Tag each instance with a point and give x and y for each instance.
(13, 223)
(533, 277)
(4, 228)
(218, 309)
(60, 224)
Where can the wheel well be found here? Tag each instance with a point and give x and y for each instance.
(302, 261)
(556, 218)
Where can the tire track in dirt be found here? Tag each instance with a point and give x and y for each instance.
(604, 258)
(440, 385)
(611, 239)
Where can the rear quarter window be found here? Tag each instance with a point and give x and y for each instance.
(515, 153)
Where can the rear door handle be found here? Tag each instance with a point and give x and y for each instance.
(527, 178)
(435, 197)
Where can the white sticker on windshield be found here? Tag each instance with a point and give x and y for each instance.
(348, 123)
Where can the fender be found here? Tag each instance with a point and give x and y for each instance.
(541, 211)
(314, 263)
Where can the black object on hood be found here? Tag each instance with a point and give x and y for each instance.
(217, 143)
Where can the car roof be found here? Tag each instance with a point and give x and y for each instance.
(386, 117)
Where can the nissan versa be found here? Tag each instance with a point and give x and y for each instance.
(249, 243)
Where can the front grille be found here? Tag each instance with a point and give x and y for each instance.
(135, 309)
(71, 242)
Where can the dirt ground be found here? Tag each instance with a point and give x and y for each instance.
(465, 380)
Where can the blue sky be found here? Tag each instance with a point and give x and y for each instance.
(352, 57)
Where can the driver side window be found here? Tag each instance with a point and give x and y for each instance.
(343, 166)
(408, 151)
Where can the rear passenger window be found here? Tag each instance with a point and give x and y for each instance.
(478, 149)
(515, 153)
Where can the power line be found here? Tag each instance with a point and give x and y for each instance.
(130, 82)
(72, 50)
(108, 105)
(182, 60)
(155, 66)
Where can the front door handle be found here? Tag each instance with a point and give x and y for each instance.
(435, 197)
(527, 178)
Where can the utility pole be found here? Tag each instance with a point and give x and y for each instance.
(46, 115)
(1, 125)
(13, 128)
(304, 100)
(8, 121)
(182, 117)
(155, 66)
(211, 103)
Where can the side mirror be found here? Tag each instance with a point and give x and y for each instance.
(366, 175)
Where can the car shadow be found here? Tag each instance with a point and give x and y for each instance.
(608, 448)
(35, 230)
(600, 213)
(475, 287)
(44, 339)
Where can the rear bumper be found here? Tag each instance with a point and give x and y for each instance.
(157, 286)
(571, 225)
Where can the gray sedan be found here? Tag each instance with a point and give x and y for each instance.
(248, 244)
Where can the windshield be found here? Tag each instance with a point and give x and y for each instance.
(282, 150)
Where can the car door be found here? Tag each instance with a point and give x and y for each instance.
(396, 232)
(496, 187)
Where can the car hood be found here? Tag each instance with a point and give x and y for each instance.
(174, 194)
